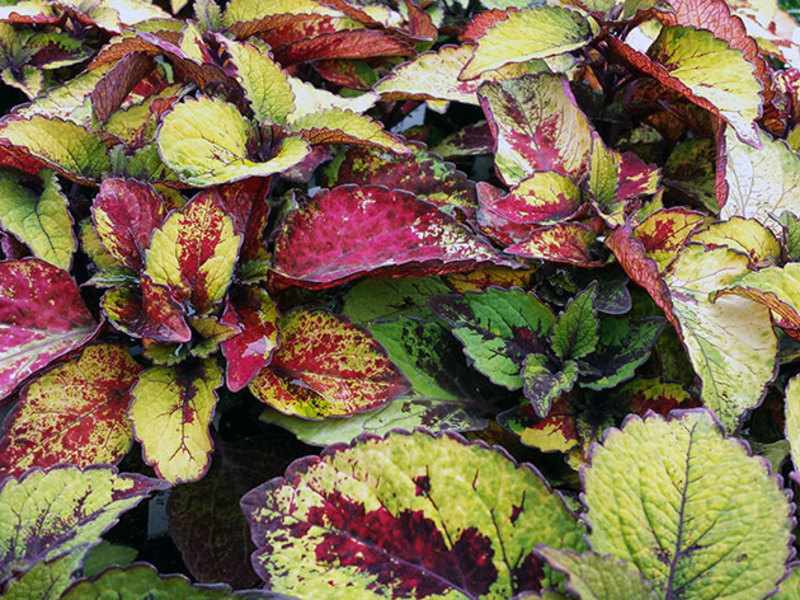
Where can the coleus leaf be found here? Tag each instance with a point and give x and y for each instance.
(106, 554)
(336, 126)
(352, 43)
(387, 299)
(325, 366)
(709, 485)
(343, 538)
(559, 432)
(537, 126)
(563, 242)
(40, 221)
(151, 312)
(75, 413)
(212, 332)
(543, 382)
(204, 157)
(193, 254)
(385, 233)
(244, 18)
(691, 170)
(472, 140)
(792, 413)
(48, 579)
(309, 100)
(47, 513)
(171, 414)
(790, 586)
(542, 198)
(558, 29)
(42, 317)
(774, 287)
(498, 328)
(575, 333)
(115, 86)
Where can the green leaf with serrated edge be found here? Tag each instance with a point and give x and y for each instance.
(675, 500)
(407, 413)
(730, 342)
(47, 580)
(171, 413)
(558, 30)
(105, 555)
(264, 82)
(325, 366)
(747, 236)
(165, 353)
(793, 419)
(142, 581)
(520, 111)
(45, 514)
(498, 329)
(193, 254)
(774, 287)
(575, 333)
(789, 588)
(203, 156)
(421, 502)
(74, 413)
(41, 222)
(68, 148)
(595, 577)
(372, 299)
(146, 164)
(791, 231)
(336, 126)
(759, 182)
(545, 382)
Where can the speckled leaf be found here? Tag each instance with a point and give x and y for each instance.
(378, 299)
(483, 279)
(543, 198)
(150, 312)
(251, 309)
(730, 342)
(544, 382)
(792, 412)
(666, 231)
(42, 317)
(203, 156)
(563, 242)
(244, 18)
(350, 231)
(171, 414)
(537, 126)
(125, 213)
(498, 328)
(193, 254)
(40, 221)
(409, 515)
(340, 365)
(74, 414)
(336, 126)
(558, 30)
(595, 577)
(575, 333)
(47, 513)
(691, 510)
(47, 580)
(557, 433)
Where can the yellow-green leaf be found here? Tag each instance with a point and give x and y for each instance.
(793, 418)
(337, 126)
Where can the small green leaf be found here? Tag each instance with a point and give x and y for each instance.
(106, 554)
(544, 383)
(575, 333)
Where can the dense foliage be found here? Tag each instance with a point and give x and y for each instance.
(528, 272)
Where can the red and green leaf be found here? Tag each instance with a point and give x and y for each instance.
(543, 198)
(149, 312)
(544, 382)
(572, 243)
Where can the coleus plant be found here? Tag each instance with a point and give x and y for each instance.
(215, 220)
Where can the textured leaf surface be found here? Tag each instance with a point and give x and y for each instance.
(537, 126)
(75, 413)
(730, 342)
(691, 510)
(42, 317)
(544, 197)
(342, 369)
(408, 515)
(47, 513)
(171, 414)
(193, 254)
(47, 580)
(351, 231)
(204, 155)
(558, 30)
(792, 411)
(41, 222)
(575, 333)
(747, 236)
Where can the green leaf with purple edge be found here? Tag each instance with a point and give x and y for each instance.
(544, 382)
(407, 515)
(48, 579)
(575, 334)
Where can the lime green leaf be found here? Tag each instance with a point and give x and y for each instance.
(789, 587)
(747, 236)
(47, 579)
(309, 100)
(558, 30)
(41, 222)
(774, 287)
(575, 333)
(730, 342)
(204, 155)
(171, 413)
(676, 500)
(105, 555)
(421, 502)
(93, 247)
(595, 577)
(793, 419)
(372, 299)
(337, 126)
(241, 13)
(544, 383)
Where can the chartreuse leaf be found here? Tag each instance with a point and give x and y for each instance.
(691, 510)
(47, 579)
(193, 254)
(558, 30)
(41, 222)
(74, 413)
(791, 229)
(142, 581)
(595, 577)
(730, 342)
(326, 366)
(409, 515)
(337, 126)
(575, 333)
(789, 587)
(372, 299)
(537, 126)
(774, 287)
(793, 419)
(498, 328)
(42, 317)
(544, 382)
(207, 141)
(48, 513)
(748, 236)
(241, 13)
(171, 414)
